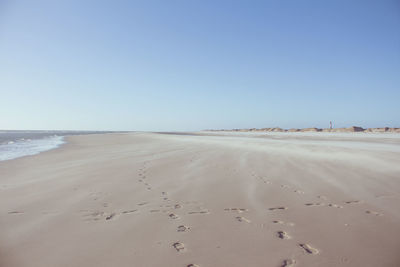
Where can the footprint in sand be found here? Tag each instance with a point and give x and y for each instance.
(128, 211)
(238, 210)
(265, 181)
(143, 203)
(177, 206)
(284, 223)
(111, 216)
(192, 265)
(335, 206)
(353, 202)
(315, 204)
(373, 213)
(173, 216)
(242, 219)
(278, 208)
(98, 215)
(15, 212)
(183, 228)
(308, 249)
(199, 212)
(94, 215)
(283, 235)
(178, 246)
(288, 263)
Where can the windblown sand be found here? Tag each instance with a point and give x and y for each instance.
(147, 199)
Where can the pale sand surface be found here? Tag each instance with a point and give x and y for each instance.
(126, 199)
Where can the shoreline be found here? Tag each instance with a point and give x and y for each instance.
(24, 148)
(30, 143)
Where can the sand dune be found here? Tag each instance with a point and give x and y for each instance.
(351, 129)
(150, 199)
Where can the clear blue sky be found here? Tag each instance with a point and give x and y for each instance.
(191, 65)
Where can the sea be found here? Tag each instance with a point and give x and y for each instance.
(18, 143)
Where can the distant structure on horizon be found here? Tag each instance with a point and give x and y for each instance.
(330, 125)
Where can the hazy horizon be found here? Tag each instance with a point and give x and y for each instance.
(234, 128)
(187, 66)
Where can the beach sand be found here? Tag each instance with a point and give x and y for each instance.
(207, 199)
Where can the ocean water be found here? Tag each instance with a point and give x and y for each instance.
(26, 147)
(15, 144)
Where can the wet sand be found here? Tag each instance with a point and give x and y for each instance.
(151, 199)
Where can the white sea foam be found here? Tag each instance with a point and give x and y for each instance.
(27, 147)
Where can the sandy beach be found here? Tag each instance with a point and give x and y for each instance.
(204, 199)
